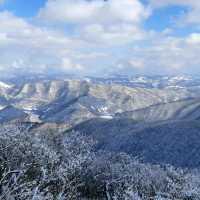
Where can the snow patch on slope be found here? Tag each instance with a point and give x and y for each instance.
(5, 85)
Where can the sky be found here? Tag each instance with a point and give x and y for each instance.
(100, 37)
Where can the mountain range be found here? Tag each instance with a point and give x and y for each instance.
(153, 118)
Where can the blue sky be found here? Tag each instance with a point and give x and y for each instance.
(23, 8)
(98, 37)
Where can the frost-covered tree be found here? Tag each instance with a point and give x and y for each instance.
(36, 166)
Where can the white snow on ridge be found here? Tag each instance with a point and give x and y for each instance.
(2, 107)
(175, 87)
(5, 85)
(34, 117)
(106, 117)
(179, 78)
(29, 108)
(103, 109)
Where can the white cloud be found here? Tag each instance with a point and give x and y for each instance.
(97, 11)
(102, 36)
(137, 63)
(194, 38)
(68, 65)
(111, 35)
(28, 47)
(165, 55)
(114, 21)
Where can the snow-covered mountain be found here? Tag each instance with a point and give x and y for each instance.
(73, 101)
(178, 110)
(150, 81)
(155, 118)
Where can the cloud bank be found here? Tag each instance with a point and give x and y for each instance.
(98, 37)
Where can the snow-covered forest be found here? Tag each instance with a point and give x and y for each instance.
(53, 166)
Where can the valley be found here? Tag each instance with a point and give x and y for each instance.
(150, 123)
(105, 130)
